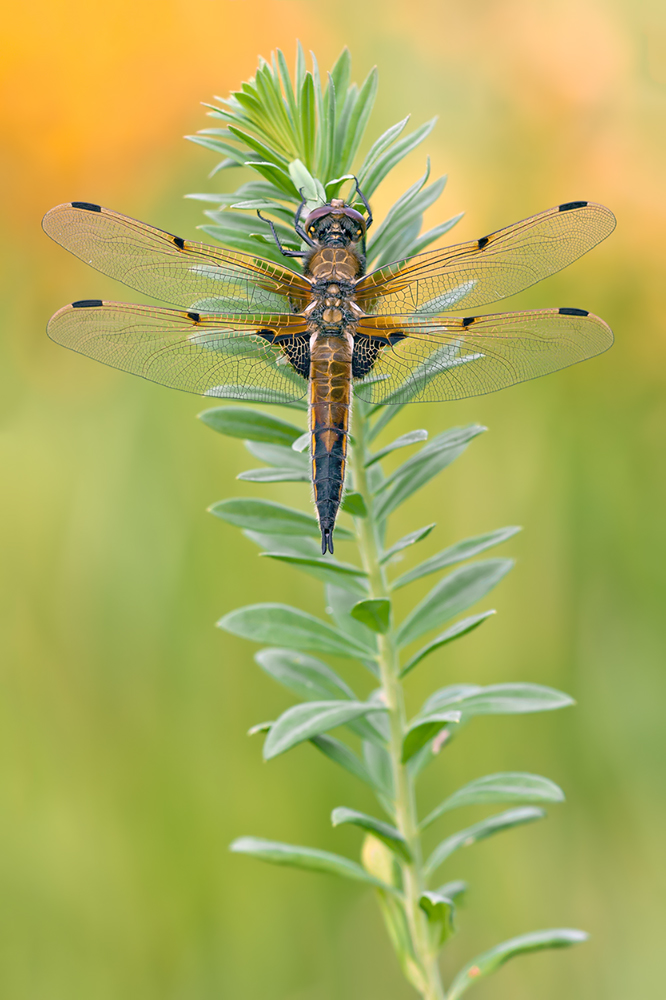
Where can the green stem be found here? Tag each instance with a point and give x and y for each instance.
(389, 665)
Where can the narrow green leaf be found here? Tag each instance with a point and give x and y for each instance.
(302, 442)
(479, 831)
(345, 105)
(423, 729)
(341, 72)
(309, 858)
(354, 504)
(413, 437)
(509, 786)
(268, 517)
(390, 241)
(359, 119)
(327, 125)
(320, 132)
(431, 750)
(295, 545)
(339, 753)
(313, 680)
(308, 119)
(287, 86)
(440, 911)
(267, 153)
(281, 625)
(247, 395)
(455, 593)
(378, 762)
(406, 541)
(491, 960)
(424, 240)
(300, 68)
(306, 184)
(460, 628)
(261, 727)
(328, 570)
(306, 676)
(453, 889)
(278, 455)
(339, 603)
(274, 475)
(419, 470)
(456, 553)
(498, 699)
(388, 834)
(242, 422)
(301, 722)
(381, 144)
(375, 613)
(238, 156)
(383, 164)
(275, 175)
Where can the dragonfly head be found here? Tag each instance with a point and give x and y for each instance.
(335, 225)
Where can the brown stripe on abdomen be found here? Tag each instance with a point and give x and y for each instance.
(330, 403)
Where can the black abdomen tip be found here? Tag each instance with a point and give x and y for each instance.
(87, 304)
(326, 540)
(565, 311)
(568, 205)
(87, 205)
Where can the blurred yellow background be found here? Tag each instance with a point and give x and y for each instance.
(124, 765)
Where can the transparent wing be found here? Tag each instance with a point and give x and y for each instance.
(486, 270)
(167, 267)
(453, 358)
(213, 356)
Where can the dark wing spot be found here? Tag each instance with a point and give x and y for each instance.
(195, 316)
(568, 205)
(366, 351)
(87, 205)
(180, 242)
(467, 320)
(395, 338)
(564, 311)
(483, 241)
(87, 304)
(267, 335)
(297, 351)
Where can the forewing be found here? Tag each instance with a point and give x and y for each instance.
(167, 267)
(454, 358)
(212, 356)
(486, 270)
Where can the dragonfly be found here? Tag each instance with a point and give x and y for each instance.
(248, 327)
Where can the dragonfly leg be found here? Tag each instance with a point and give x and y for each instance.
(368, 221)
(297, 222)
(285, 253)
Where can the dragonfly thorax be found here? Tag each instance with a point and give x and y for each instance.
(341, 265)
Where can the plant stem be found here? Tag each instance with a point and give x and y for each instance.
(389, 665)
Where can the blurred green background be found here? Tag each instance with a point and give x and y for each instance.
(124, 765)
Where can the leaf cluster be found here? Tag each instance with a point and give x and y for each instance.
(301, 137)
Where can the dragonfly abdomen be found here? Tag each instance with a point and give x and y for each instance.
(330, 404)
